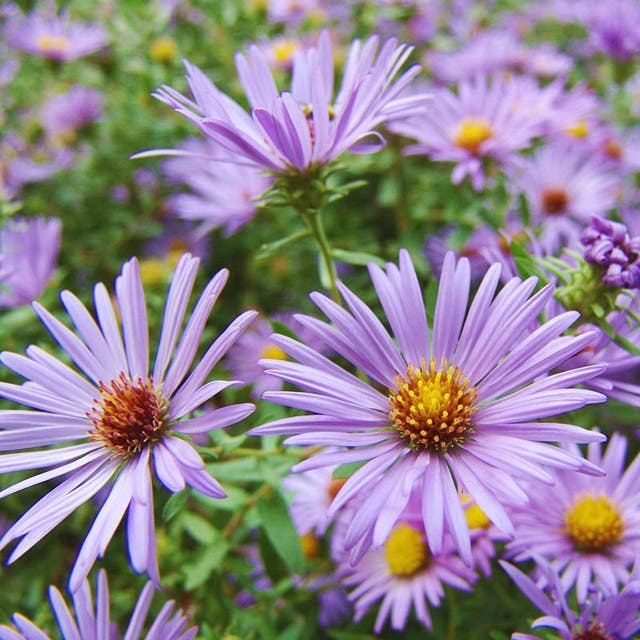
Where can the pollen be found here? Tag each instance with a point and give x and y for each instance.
(283, 51)
(406, 551)
(554, 200)
(128, 415)
(578, 130)
(593, 523)
(164, 50)
(471, 133)
(273, 352)
(51, 43)
(475, 516)
(432, 407)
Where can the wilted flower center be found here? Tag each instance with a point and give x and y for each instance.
(471, 133)
(128, 415)
(310, 545)
(406, 551)
(274, 352)
(432, 408)
(613, 149)
(554, 200)
(50, 43)
(595, 632)
(334, 486)
(475, 516)
(593, 523)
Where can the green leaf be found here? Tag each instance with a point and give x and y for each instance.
(277, 525)
(198, 572)
(621, 341)
(199, 529)
(273, 248)
(526, 264)
(175, 504)
(346, 470)
(359, 258)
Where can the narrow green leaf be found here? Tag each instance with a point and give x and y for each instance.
(198, 572)
(359, 258)
(273, 248)
(277, 525)
(175, 505)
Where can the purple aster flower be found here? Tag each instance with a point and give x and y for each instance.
(64, 115)
(404, 574)
(313, 492)
(219, 195)
(92, 622)
(565, 186)
(485, 119)
(602, 617)
(588, 528)
(298, 130)
(28, 258)
(242, 359)
(490, 52)
(43, 33)
(609, 245)
(454, 411)
(117, 419)
(613, 27)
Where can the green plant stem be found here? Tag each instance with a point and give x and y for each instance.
(313, 218)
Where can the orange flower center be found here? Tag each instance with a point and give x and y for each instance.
(128, 415)
(554, 200)
(432, 407)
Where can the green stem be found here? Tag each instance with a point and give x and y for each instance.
(313, 218)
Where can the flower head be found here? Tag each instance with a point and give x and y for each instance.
(601, 617)
(297, 130)
(404, 574)
(43, 33)
(455, 407)
(63, 115)
(484, 119)
(115, 418)
(92, 622)
(588, 528)
(609, 245)
(28, 257)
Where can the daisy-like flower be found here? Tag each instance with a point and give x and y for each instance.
(254, 345)
(92, 622)
(112, 423)
(43, 33)
(588, 528)
(297, 130)
(404, 574)
(448, 409)
(484, 119)
(28, 258)
(219, 195)
(602, 617)
(565, 186)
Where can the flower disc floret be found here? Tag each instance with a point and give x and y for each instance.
(128, 415)
(472, 132)
(406, 551)
(594, 523)
(594, 632)
(555, 200)
(432, 407)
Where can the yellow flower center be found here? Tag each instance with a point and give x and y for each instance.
(50, 43)
(593, 523)
(476, 517)
(471, 133)
(432, 408)
(164, 50)
(406, 551)
(283, 51)
(153, 271)
(310, 546)
(578, 130)
(128, 415)
(274, 352)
